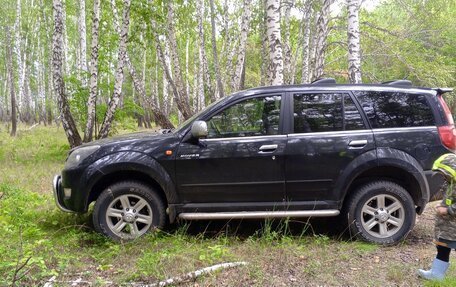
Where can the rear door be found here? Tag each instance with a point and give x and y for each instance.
(327, 133)
(242, 160)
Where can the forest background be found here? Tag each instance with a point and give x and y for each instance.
(97, 65)
(101, 67)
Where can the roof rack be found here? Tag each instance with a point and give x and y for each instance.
(324, 81)
(398, 83)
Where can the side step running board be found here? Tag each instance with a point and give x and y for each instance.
(258, 214)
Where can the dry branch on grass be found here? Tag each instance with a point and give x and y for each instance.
(171, 281)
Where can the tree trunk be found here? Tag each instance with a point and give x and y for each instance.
(18, 53)
(286, 45)
(264, 46)
(322, 35)
(218, 76)
(275, 43)
(354, 57)
(82, 40)
(245, 23)
(200, 97)
(119, 75)
(159, 116)
(167, 100)
(59, 85)
(182, 99)
(305, 79)
(9, 63)
(93, 88)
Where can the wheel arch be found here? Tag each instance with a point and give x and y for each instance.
(390, 164)
(128, 166)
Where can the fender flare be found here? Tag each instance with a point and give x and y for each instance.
(384, 157)
(129, 161)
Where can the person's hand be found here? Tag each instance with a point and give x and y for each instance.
(441, 210)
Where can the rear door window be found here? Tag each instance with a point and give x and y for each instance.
(324, 112)
(394, 109)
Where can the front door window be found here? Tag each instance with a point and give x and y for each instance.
(252, 117)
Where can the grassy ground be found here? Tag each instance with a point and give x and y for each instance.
(38, 241)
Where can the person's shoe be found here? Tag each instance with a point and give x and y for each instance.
(437, 271)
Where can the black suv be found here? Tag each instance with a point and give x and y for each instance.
(361, 152)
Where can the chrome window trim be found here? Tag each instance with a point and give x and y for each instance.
(246, 138)
(364, 131)
(397, 129)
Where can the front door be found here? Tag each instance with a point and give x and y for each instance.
(328, 134)
(242, 159)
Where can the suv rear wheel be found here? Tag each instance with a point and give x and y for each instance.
(381, 212)
(127, 210)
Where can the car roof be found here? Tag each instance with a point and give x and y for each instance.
(337, 87)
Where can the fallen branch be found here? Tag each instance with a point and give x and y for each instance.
(32, 127)
(172, 281)
(195, 274)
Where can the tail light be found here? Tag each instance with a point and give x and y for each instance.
(448, 132)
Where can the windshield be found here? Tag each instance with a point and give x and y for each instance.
(184, 124)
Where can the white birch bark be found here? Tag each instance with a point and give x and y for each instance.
(119, 74)
(322, 35)
(182, 100)
(275, 43)
(305, 79)
(200, 97)
(218, 77)
(9, 66)
(245, 23)
(83, 42)
(66, 55)
(264, 46)
(353, 41)
(93, 82)
(287, 55)
(18, 53)
(59, 85)
(167, 100)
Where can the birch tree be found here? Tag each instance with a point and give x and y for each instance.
(119, 75)
(18, 53)
(275, 71)
(10, 71)
(287, 67)
(182, 99)
(200, 96)
(93, 82)
(218, 76)
(353, 41)
(82, 65)
(245, 23)
(66, 118)
(321, 38)
(305, 79)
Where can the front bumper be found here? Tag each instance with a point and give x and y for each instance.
(58, 192)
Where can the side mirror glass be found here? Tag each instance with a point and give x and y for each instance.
(199, 129)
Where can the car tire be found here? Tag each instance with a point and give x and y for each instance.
(381, 212)
(127, 210)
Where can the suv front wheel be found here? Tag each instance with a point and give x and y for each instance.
(127, 210)
(381, 212)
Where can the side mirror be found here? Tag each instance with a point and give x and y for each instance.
(199, 129)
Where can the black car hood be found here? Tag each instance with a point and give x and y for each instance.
(127, 137)
(145, 142)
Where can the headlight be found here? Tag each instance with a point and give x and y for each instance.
(77, 156)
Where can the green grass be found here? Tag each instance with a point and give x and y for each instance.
(54, 243)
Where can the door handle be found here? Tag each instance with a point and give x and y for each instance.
(359, 144)
(268, 148)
